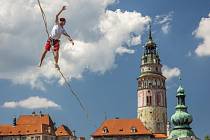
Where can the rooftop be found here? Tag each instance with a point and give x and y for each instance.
(33, 124)
(123, 127)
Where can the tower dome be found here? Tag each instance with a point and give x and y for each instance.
(181, 119)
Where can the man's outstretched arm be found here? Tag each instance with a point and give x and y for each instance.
(57, 16)
(69, 38)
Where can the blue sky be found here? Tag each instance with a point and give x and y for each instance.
(107, 87)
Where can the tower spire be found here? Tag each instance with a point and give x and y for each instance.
(150, 31)
(180, 80)
(150, 46)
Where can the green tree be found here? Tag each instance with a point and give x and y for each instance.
(207, 137)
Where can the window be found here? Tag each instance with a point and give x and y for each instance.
(37, 138)
(49, 130)
(150, 83)
(156, 69)
(149, 100)
(23, 138)
(158, 99)
(44, 137)
(139, 84)
(158, 126)
(164, 118)
(158, 83)
(154, 83)
(105, 130)
(133, 129)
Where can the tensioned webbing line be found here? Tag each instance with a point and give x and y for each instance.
(75, 94)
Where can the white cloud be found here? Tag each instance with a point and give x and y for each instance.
(203, 32)
(99, 34)
(170, 73)
(122, 50)
(136, 40)
(164, 21)
(31, 103)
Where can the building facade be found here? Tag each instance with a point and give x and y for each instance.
(151, 92)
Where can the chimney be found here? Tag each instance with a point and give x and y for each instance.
(33, 113)
(40, 113)
(14, 121)
(74, 133)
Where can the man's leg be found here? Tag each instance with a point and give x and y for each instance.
(56, 57)
(43, 56)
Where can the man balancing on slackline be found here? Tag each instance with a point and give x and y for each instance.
(53, 40)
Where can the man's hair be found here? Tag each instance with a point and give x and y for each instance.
(63, 19)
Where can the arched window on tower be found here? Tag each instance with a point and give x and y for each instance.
(154, 83)
(161, 83)
(142, 83)
(149, 100)
(158, 99)
(150, 83)
(156, 69)
(139, 83)
(158, 82)
(145, 83)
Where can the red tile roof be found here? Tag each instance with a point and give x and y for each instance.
(63, 131)
(121, 127)
(35, 119)
(6, 130)
(29, 124)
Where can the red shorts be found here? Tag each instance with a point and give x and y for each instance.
(55, 44)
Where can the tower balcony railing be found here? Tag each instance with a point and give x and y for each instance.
(151, 87)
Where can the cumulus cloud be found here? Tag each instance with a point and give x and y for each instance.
(99, 34)
(170, 73)
(203, 32)
(31, 103)
(122, 50)
(164, 21)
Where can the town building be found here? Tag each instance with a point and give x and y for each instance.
(124, 129)
(35, 127)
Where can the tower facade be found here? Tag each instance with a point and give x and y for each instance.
(151, 92)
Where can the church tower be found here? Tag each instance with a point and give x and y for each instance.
(151, 92)
(181, 119)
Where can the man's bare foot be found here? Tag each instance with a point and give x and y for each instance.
(40, 65)
(57, 66)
